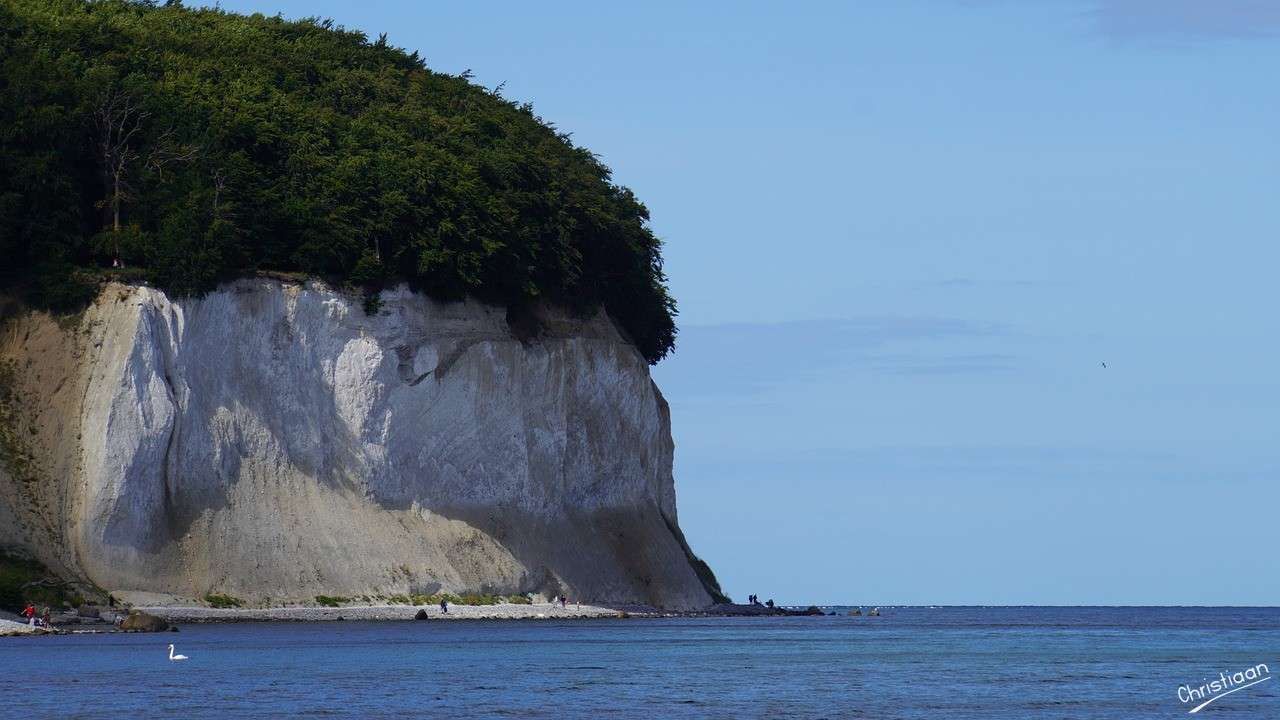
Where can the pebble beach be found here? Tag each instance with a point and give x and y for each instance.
(501, 611)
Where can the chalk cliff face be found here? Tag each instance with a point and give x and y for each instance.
(271, 440)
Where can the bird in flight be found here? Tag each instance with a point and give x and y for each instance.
(1104, 364)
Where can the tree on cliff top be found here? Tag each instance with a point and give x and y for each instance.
(256, 143)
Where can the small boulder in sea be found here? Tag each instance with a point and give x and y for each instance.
(812, 610)
(139, 621)
(855, 612)
(875, 612)
(420, 615)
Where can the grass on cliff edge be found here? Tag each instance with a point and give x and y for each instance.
(700, 567)
(223, 601)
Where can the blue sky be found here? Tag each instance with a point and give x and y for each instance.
(904, 236)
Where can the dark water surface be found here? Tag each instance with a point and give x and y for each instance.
(909, 663)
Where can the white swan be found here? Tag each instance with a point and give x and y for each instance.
(175, 658)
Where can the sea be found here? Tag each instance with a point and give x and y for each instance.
(984, 663)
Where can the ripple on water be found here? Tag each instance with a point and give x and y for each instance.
(910, 663)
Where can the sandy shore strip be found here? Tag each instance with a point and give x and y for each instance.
(502, 611)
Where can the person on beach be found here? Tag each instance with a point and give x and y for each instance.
(30, 614)
(564, 601)
(45, 620)
(444, 605)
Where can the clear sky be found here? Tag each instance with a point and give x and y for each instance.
(904, 237)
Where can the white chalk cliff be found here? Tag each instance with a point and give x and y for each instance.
(272, 441)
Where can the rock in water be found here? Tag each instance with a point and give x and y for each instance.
(139, 621)
(273, 439)
(420, 615)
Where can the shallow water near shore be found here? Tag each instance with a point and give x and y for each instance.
(908, 663)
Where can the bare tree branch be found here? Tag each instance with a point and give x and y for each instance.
(120, 123)
(167, 151)
(118, 119)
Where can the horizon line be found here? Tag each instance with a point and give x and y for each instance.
(1016, 605)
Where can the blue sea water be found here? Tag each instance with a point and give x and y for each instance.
(950, 662)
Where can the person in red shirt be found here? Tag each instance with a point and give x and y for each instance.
(30, 614)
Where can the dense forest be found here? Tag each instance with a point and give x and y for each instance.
(182, 147)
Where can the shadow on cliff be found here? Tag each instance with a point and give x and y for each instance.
(622, 555)
(315, 446)
(618, 555)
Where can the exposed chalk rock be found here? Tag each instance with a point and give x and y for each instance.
(271, 440)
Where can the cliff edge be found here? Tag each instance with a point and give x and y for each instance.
(273, 442)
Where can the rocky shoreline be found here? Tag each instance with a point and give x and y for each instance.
(161, 617)
(502, 611)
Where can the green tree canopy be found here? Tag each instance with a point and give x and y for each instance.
(190, 146)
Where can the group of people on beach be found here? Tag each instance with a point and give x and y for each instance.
(755, 600)
(34, 618)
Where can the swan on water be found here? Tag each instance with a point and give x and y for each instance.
(175, 658)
